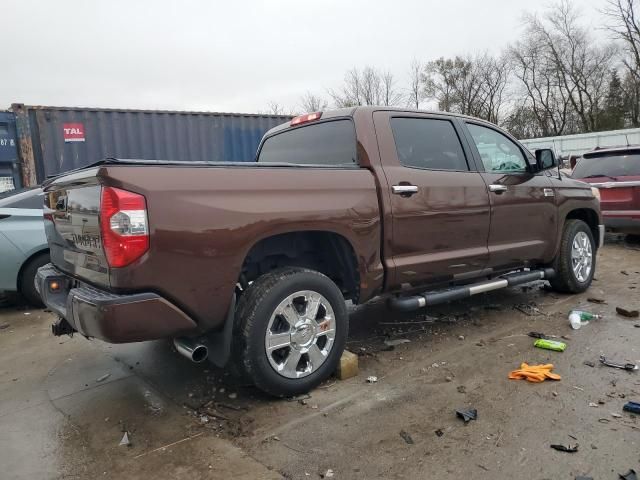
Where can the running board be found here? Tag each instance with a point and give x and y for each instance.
(415, 302)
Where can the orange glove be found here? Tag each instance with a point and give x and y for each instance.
(534, 373)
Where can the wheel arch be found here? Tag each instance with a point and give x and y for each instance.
(588, 216)
(325, 251)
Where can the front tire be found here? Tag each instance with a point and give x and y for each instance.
(290, 331)
(575, 263)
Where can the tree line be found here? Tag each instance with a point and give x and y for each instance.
(561, 78)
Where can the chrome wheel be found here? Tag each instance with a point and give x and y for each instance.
(581, 256)
(300, 334)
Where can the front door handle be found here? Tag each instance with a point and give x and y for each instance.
(404, 190)
(497, 188)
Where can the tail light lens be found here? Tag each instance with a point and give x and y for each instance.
(124, 226)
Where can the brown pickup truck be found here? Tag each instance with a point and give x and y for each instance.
(253, 261)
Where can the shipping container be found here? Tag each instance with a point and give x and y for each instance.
(53, 140)
(575, 145)
(9, 163)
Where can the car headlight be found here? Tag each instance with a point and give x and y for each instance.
(596, 192)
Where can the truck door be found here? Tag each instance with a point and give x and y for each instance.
(523, 210)
(9, 165)
(439, 202)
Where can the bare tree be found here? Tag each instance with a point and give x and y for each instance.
(390, 95)
(275, 108)
(312, 103)
(366, 87)
(625, 25)
(415, 92)
(469, 85)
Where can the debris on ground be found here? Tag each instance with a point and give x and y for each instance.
(625, 312)
(616, 415)
(633, 407)
(534, 373)
(582, 477)
(592, 404)
(550, 345)
(630, 475)
(348, 366)
(622, 366)
(448, 379)
(396, 341)
(461, 389)
(589, 363)
(599, 300)
(125, 440)
(537, 335)
(563, 448)
(327, 474)
(233, 396)
(439, 432)
(624, 272)
(4, 325)
(406, 437)
(529, 309)
(103, 378)
(460, 337)
(372, 379)
(467, 415)
(579, 318)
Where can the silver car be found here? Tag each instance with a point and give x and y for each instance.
(23, 244)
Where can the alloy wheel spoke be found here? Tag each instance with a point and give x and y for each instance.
(291, 363)
(290, 314)
(316, 356)
(278, 340)
(313, 304)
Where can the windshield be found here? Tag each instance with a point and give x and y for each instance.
(615, 165)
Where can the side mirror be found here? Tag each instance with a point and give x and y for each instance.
(545, 159)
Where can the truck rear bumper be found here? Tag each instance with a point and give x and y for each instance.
(108, 316)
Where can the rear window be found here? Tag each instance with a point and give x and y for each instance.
(32, 199)
(607, 166)
(328, 143)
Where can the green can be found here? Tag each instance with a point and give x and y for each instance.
(550, 345)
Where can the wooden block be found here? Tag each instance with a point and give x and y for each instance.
(348, 366)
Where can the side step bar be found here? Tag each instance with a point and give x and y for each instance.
(415, 302)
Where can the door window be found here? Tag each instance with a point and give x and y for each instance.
(428, 143)
(497, 151)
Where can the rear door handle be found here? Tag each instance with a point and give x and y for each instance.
(497, 188)
(404, 190)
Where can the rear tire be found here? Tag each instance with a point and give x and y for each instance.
(27, 287)
(290, 331)
(575, 263)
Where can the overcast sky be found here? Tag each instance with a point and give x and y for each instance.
(233, 55)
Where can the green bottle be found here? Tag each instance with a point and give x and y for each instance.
(550, 345)
(585, 316)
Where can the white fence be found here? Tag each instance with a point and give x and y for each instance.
(578, 144)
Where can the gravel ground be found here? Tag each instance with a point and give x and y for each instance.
(65, 402)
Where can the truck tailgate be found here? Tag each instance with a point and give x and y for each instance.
(73, 228)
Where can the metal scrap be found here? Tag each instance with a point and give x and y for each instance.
(622, 366)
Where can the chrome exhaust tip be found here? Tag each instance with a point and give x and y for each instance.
(196, 352)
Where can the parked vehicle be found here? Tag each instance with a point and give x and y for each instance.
(23, 244)
(616, 174)
(255, 260)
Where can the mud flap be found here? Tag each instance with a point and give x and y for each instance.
(219, 343)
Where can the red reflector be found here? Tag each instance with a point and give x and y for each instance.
(309, 117)
(123, 225)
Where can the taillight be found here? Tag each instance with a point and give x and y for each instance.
(123, 224)
(309, 117)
